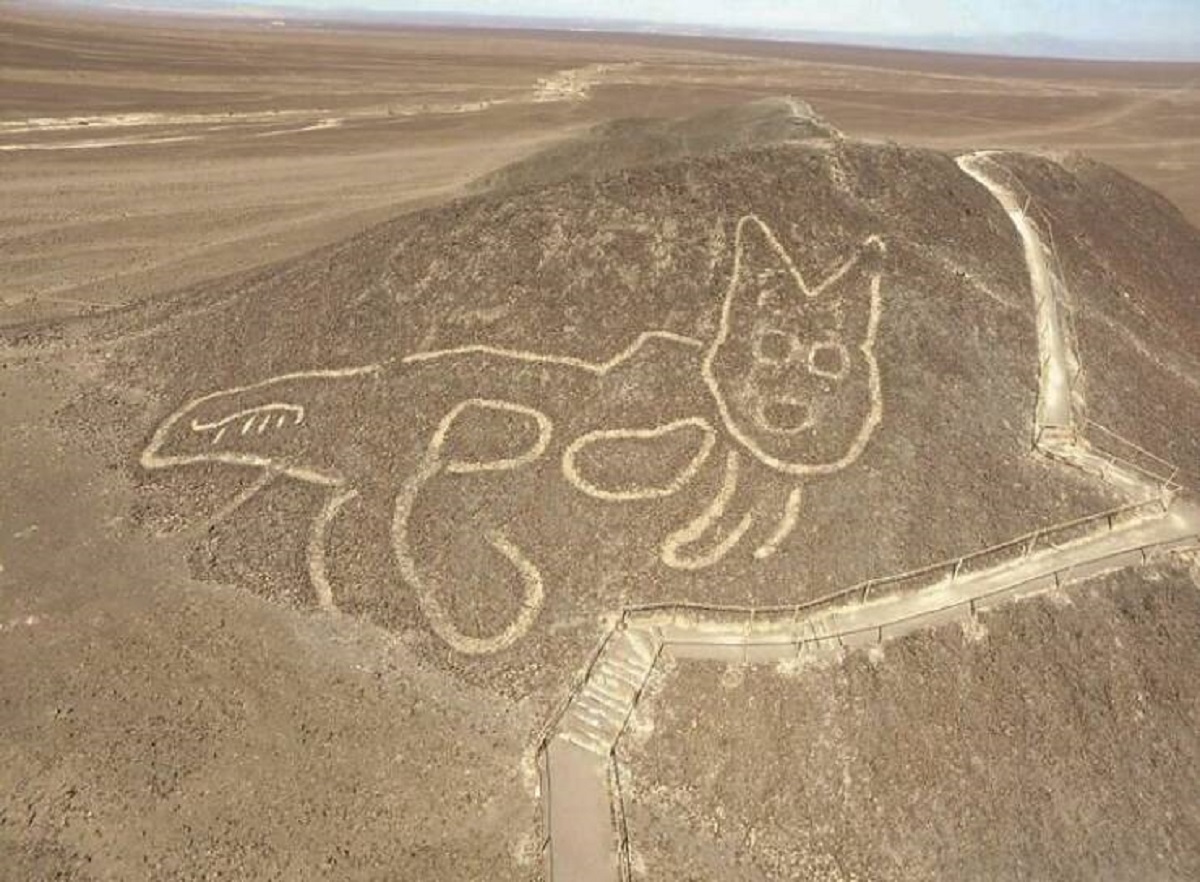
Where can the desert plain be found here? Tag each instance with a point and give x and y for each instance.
(143, 154)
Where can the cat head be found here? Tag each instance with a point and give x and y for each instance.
(792, 367)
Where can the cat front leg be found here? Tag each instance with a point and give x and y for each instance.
(705, 540)
(789, 517)
(717, 530)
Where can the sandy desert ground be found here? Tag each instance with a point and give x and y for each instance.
(141, 155)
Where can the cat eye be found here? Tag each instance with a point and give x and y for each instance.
(773, 347)
(828, 359)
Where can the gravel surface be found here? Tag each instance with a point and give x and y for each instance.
(1055, 739)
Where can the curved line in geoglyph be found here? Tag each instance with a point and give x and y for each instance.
(695, 529)
(251, 416)
(820, 370)
(433, 463)
(462, 467)
(595, 367)
(318, 542)
(430, 467)
(150, 458)
(574, 477)
(535, 593)
(840, 272)
(787, 524)
(866, 347)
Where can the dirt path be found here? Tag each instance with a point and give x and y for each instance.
(586, 840)
(1060, 368)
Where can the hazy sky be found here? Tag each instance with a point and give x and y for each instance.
(1175, 21)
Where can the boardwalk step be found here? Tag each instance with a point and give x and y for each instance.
(618, 679)
(614, 690)
(588, 743)
(598, 712)
(600, 708)
(604, 693)
(579, 720)
(641, 646)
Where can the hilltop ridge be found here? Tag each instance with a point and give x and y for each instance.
(623, 144)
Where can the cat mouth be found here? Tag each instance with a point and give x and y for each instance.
(786, 415)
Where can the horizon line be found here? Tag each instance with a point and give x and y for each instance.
(1022, 45)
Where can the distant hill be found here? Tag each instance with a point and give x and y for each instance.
(1025, 44)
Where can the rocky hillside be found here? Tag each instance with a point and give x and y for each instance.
(732, 360)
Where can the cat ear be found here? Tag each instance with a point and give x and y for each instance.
(766, 278)
(851, 293)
